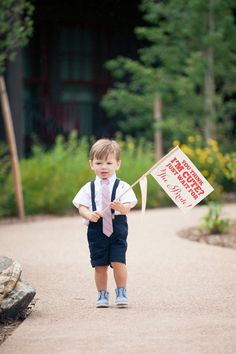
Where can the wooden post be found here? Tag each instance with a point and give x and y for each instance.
(7, 118)
(158, 134)
(210, 85)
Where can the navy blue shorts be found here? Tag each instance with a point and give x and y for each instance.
(105, 250)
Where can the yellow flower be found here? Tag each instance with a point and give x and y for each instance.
(198, 138)
(225, 171)
(191, 139)
(187, 150)
(211, 179)
(213, 143)
(176, 142)
(198, 151)
(207, 150)
(205, 173)
(210, 160)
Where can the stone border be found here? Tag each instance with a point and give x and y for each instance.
(8, 327)
(199, 235)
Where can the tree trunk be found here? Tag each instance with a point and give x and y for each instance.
(158, 133)
(210, 109)
(6, 113)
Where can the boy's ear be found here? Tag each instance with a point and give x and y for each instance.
(91, 164)
(118, 164)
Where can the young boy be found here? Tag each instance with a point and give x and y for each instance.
(99, 203)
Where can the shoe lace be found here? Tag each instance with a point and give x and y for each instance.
(121, 292)
(103, 295)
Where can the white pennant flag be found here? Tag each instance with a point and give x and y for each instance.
(143, 188)
(181, 179)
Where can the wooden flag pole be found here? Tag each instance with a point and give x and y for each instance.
(7, 118)
(157, 108)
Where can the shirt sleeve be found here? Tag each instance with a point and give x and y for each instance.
(82, 197)
(129, 196)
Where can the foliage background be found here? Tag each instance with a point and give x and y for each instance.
(52, 178)
(16, 26)
(187, 57)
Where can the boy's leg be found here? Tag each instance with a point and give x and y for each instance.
(120, 274)
(101, 283)
(101, 277)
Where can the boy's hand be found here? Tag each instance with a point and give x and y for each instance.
(94, 216)
(122, 208)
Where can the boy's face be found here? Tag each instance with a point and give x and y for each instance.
(105, 168)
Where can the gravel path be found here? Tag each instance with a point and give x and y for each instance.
(182, 293)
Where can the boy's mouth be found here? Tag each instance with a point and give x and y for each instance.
(104, 173)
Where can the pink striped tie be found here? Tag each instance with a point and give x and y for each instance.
(107, 226)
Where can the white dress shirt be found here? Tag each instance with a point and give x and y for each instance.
(83, 197)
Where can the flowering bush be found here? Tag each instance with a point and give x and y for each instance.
(51, 178)
(231, 167)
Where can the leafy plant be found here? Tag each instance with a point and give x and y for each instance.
(51, 178)
(5, 162)
(213, 223)
(4, 172)
(16, 26)
(231, 166)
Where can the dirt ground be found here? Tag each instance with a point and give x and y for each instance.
(181, 293)
(7, 327)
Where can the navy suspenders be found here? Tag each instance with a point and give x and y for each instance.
(113, 194)
(92, 187)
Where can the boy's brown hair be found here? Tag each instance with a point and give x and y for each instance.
(104, 147)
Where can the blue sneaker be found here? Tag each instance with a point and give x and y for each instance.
(103, 299)
(121, 297)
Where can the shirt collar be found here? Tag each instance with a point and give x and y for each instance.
(111, 179)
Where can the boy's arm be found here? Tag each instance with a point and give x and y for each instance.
(123, 208)
(93, 216)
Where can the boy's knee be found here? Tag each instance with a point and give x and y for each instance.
(101, 269)
(118, 264)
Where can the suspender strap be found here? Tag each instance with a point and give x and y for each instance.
(92, 187)
(113, 194)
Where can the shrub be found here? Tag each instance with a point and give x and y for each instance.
(213, 223)
(231, 167)
(4, 173)
(52, 178)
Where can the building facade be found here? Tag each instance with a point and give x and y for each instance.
(57, 82)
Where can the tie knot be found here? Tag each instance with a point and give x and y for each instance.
(105, 181)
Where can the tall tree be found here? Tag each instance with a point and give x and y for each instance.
(15, 28)
(188, 59)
